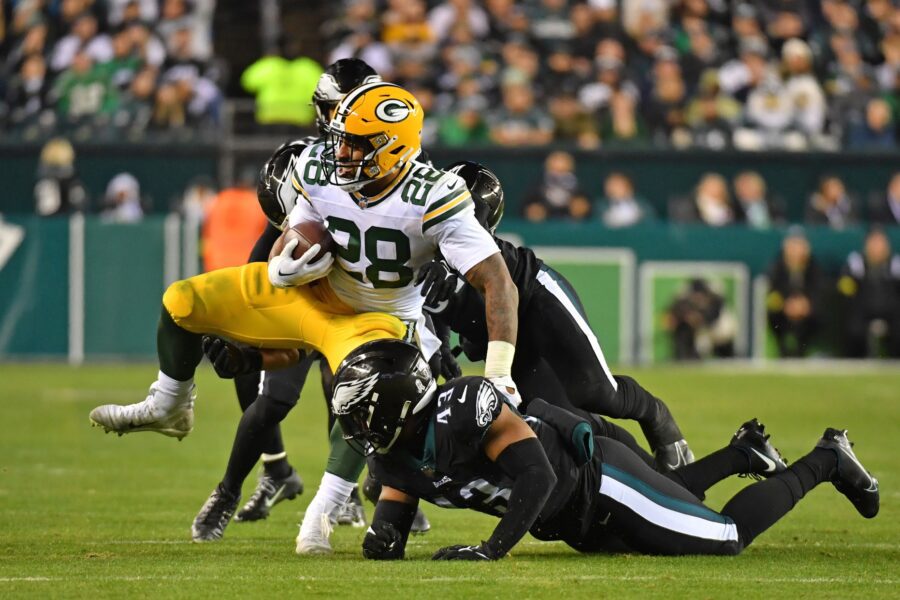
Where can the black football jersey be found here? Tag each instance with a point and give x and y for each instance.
(464, 311)
(451, 469)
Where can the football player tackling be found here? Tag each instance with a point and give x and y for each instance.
(462, 445)
(389, 215)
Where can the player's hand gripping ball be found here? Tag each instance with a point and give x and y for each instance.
(302, 254)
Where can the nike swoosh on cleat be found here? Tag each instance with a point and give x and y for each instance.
(270, 502)
(770, 464)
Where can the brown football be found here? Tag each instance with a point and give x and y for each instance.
(308, 234)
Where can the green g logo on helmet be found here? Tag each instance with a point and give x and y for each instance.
(392, 110)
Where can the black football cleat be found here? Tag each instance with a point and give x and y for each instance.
(210, 523)
(765, 459)
(850, 477)
(269, 492)
(672, 456)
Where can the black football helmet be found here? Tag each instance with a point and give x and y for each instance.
(485, 189)
(339, 78)
(274, 191)
(377, 389)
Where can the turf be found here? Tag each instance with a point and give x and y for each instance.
(83, 514)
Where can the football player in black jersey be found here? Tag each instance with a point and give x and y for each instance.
(557, 354)
(266, 397)
(461, 445)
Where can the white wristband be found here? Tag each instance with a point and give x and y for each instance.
(499, 359)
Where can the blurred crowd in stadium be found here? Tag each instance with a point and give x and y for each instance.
(750, 74)
(107, 68)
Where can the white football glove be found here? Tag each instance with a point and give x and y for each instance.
(286, 271)
(506, 386)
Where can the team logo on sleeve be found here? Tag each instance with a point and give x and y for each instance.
(347, 395)
(485, 404)
(392, 110)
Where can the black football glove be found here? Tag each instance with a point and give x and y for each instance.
(460, 552)
(230, 359)
(449, 367)
(383, 542)
(438, 281)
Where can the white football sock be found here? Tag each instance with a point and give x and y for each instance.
(333, 492)
(174, 392)
(335, 489)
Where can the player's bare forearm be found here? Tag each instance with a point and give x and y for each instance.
(279, 359)
(501, 298)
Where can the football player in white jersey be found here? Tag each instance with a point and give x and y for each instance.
(389, 215)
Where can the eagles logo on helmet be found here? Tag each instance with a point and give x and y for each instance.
(383, 384)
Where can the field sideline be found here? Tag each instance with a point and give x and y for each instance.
(85, 515)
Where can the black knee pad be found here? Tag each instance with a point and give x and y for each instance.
(371, 489)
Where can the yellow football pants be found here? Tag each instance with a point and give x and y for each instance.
(240, 304)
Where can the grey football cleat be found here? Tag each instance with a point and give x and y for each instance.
(420, 524)
(269, 492)
(672, 456)
(210, 523)
(148, 416)
(765, 460)
(850, 477)
(351, 512)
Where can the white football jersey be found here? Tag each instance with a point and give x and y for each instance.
(383, 241)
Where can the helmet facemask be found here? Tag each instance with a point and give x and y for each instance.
(351, 161)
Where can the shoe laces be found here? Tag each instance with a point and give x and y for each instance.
(213, 512)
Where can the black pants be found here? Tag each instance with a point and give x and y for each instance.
(651, 513)
(557, 354)
(802, 330)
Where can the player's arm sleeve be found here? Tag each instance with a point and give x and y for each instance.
(526, 463)
(450, 223)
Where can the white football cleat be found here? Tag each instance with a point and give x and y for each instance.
(148, 415)
(314, 533)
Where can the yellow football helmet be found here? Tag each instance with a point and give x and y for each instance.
(375, 130)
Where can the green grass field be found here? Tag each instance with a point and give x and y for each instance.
(83, 514)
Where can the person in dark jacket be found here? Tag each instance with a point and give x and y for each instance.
(794, 300)
(870, 282)
(884, 209)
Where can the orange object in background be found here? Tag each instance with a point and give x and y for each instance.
(233, 224)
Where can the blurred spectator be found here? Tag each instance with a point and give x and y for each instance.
(666, 103)
(741, 75)
(754, 205)
(831, 205)
(884, 208)
(124, 11)
(572, 123)
(888, 72)
(785, 19)
(870, 283)
(700, 324)
(877, 131)
(405, 30)
(58, 190)
(620, 123)
(709, 203)
(445, 15)
(550, 24)
(122, 202)
(711, 115)
(27, 92)
(84, 94)
(465, 125)
(558, 195)
(361, 42)
(136, 105)
(282, 88)
(620, 207)
(233, 224)
(146, 44)
(519, 122)
(197, 199)
(83, 38)
(802, 89)
(794, 299)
